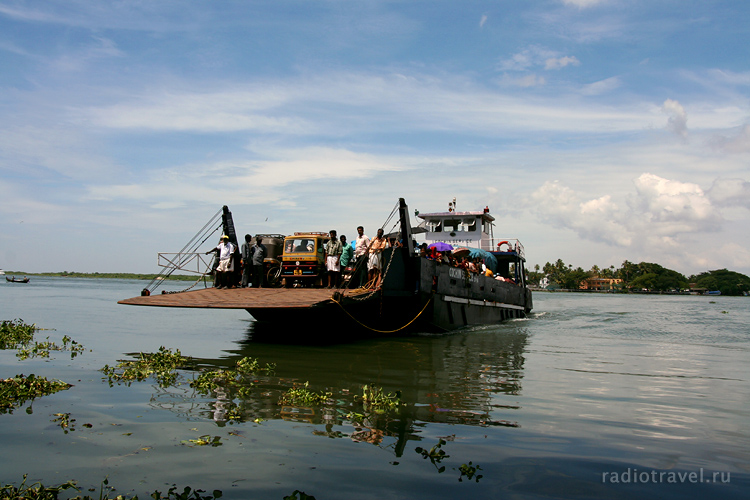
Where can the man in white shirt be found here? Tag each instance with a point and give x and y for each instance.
(361, 250)
(224, 249)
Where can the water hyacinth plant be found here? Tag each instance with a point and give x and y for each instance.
(37, 491)
(300, 395)
(14, 392)
(15, 334)
(237, 380)
(161, 365)
(42, 349)
(436, 455)
(376, 400)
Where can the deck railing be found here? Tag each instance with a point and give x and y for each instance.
(191, 262)
(512, 245)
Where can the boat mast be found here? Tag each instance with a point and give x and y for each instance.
(403, 213)
(228, 225)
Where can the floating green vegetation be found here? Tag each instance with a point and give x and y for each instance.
(160, 365)
(375, 399)
(37, 491)
(66, 423)
(469, 472)
(436, 454)
(14, 392)
(375, 403)
(42, 349)
(206, 440)
(16, 334)
(236, 380)
(187, 494)
(300, 395)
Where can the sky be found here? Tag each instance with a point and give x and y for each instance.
(596, 131)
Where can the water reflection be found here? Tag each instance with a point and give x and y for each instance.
(471, 377)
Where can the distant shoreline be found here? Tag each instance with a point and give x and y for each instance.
(622, 292)
(124, 276)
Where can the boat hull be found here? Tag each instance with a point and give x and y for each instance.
(417, 294)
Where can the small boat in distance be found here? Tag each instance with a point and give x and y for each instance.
(17, 280)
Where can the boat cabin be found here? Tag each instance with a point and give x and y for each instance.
(475, 229)
(466, 229)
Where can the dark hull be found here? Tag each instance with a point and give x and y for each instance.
(14, 280)
(417, 295)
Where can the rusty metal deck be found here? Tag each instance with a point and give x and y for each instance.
(238, 298)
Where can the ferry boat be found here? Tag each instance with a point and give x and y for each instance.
(419, 290)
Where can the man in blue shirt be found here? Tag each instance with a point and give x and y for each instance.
(246, 256)
(259, 255)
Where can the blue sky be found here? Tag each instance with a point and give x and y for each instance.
(595, 130)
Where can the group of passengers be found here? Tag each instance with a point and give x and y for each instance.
(476, 265)
(339, 256)
(250, 259)
(367, 253)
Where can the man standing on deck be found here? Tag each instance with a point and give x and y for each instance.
(246, 256)
(224, 249)
(347, 255)
(333, 259)
(259, 255)
(361, 247)
(375, 263)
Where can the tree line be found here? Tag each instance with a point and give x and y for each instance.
(642, 276)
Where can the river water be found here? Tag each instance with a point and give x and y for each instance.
(593, 396)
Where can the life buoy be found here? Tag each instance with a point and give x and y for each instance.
(504, 242)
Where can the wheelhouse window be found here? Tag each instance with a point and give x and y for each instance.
(451, 225)
(434, 225)
(469, 225)
(460, 225)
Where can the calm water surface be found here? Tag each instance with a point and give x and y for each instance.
(594, 396)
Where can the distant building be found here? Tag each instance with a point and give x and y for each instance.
(601, 284)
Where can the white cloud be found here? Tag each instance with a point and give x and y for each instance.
(595, 220)
(582, 3)
(601, 87)
(730, 192)
(677, 121)
(740, 143)
(730, 77)
(658, 213)
(37, 150)
(534, 56)
(337, 103)
(673, 207)
(524, 81)
(219, 111)
(561, 62)
(231, 181)
(101, 48)
(482, 21)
